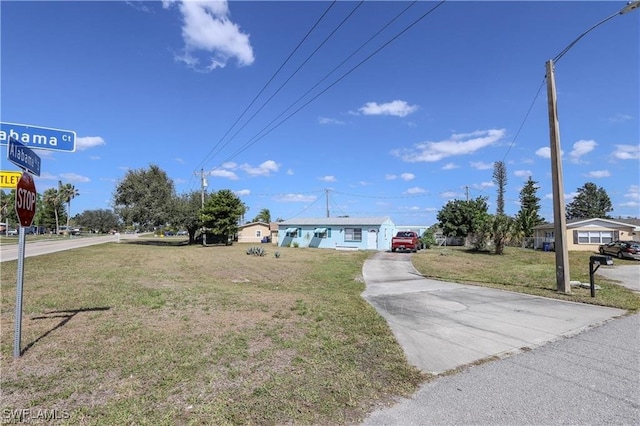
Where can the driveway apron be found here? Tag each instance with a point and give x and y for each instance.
(442, 326)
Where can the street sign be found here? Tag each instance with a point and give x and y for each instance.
(23, 157)
(26, 196)
(9, 179)
(38, 137)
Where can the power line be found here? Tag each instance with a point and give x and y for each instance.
(257, 138)
(269, 81)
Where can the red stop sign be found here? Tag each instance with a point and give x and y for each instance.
(26, 199)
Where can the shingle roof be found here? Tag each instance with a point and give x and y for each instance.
(341, 221)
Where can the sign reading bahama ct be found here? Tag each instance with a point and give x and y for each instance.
(38, 137)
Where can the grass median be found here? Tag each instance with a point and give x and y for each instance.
(172, 334)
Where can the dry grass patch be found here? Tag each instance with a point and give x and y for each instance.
(161, 334)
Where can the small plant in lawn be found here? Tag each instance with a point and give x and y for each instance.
(256, 251)
(277, 255)
(296, 244)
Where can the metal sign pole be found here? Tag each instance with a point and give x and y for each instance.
(20, 280)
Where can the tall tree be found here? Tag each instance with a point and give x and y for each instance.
(67, 192)
(188, 213)
(590, 202)
(468, 219)
(529, 214)
(145, 197)
(500, 179)
(263, 216)
(100, 221)
(52, 207)
(222, 211)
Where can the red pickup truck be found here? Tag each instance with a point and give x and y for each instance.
(405, 240)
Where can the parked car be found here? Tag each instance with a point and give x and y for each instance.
(405, 240)
(622, 249)
(12, 232)
(181, 233)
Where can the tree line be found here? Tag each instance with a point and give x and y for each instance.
(471, 219)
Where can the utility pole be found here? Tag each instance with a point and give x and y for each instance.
(559, 216)
(466, 191)
(326, 196)
(203, 185)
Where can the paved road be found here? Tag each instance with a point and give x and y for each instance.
(583, 366)
(37, 248)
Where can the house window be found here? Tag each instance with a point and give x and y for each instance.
(595, 237)
(353, 234)
(258, 233)
(548, 234)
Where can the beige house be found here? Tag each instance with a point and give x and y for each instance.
(253, 232)
(588, 234)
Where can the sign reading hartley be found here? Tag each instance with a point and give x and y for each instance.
(38, 137)
(26, 196)
(9, 179)
(22, 156)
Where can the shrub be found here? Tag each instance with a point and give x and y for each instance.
(256, 251)
(296, 244)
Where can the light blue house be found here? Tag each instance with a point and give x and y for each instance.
(341, 233)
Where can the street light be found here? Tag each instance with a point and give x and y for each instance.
(559, 217)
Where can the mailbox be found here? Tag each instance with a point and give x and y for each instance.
(601, 260)
(597, 261)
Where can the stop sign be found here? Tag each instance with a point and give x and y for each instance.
(26, 199)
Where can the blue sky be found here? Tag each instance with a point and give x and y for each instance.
(399, 128)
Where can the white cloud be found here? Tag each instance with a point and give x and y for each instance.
(544, 152)
(415, 190)
(523, 173)
(326, 120)
(395, 108)
(224, 173)
(87, 142)
(567, 197)
(407, 176)
(627, 152)
(74, 177)
(327, 178)
(457, 144)
(264, 169)
(243, 192)
(483, 185)
(479, 165)
(295, 198)
(448, 194)
(619, 118)
(630, 204)
(206, 28)
(390, 177)
(580, 148)
(633, 192)
(450, 166)
(598, 173)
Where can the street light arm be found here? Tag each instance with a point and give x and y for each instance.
(632, 5)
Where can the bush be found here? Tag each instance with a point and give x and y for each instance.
(256, 251)
(296, 244)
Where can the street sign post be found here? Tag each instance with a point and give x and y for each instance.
(23, 157)
(26, 196)
(38, 137)
(9, 179)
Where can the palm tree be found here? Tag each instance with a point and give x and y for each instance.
(263, 216)
(51, 197)
(67, 193)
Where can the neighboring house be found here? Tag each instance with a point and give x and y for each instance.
(588, 234)
(342, 233)
(253, 232)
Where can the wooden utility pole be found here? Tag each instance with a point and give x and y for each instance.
(559, 217)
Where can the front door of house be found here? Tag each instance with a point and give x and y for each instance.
(372, 239)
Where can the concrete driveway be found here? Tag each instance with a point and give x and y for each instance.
(627, 275)
(442, 326)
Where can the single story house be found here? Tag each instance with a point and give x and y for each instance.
(341, 233)
(253, 232)
(273, 232)
(588, 234)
